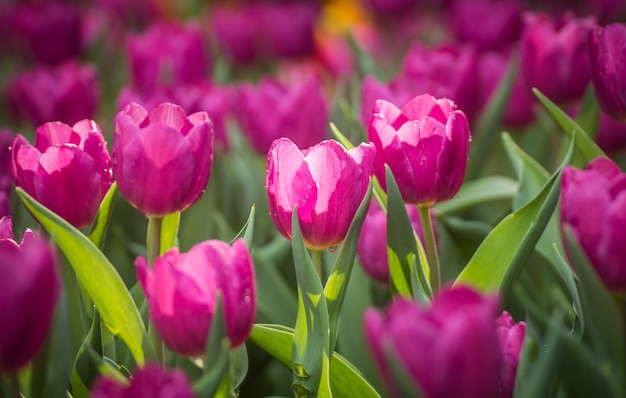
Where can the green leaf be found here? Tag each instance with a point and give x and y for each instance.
(499, 260)
(345, 380)
(570, 282)
(247, 231)
(98, 277)
(99, 227)
(238, 365)
(337, 283)
(343, 140)
(402, 247)
(311, 339)
(589, 113)
(88, 360)
(476, 192)
(585, 145)
(169, 231)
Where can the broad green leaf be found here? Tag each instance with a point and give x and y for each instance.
(585, 144)
(337, 283)
(311, 339)
(482, 190)
(98, 277)
(169, 231)
(570, 281)
(99, 227)
(345, 380)
(499, 260)
(88, 360)
(238, 365)
(402, 247)
(489, 123)
(604, 326)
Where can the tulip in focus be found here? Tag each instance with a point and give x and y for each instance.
(67, 92)
(148, 382)
(162, 158)
(273, 110)
(608, 68)
(325, 182)
(182, 291)
(29, 290)
(426, 145)
(555, 56)
(593, 205)
(449, 349)
(67, 170)
(511, 337)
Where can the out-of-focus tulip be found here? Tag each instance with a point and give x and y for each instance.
(593, 205)
(447, 71)
(426, 145)
(67, 92)
(449, 349)
(182, 291)
(162, 158)
(235, 29)
(67, 170)
(372, 247)
(511, 337)
(29, 277)
(555, 57)
(288, 28)
(6, 178)
(500, 22)
(168, 54)
(325, 182)
(611, 133)
(50, 32)
(272, 110)
(608, 68)
(390, 8)
(149, 381)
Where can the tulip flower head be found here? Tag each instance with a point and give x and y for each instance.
(449, 349)
(511, 337)
(425, 144)
(68, 169)
(182, 291)
(162, 158)
(148, 382)
(593, 205)
(29, 277)
(325, 182)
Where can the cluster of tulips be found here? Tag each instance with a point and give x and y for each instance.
(329, 214)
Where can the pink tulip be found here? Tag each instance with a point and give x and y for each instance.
(325, 182)
(182, 290)
(511, 337)
(425, 144)
(67, 170)
(449, 349)
(148, 382)
(29, 277)
(162, 158)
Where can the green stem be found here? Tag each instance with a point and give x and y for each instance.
(316, 256)
(431, 247)
(15, 386)
(153, 246)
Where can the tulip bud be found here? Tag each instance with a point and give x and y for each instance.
(148, 382)
(450, 349)
(593, 205)
(29, 277)
(325, 182)
(67, 170)
(511, 337)
(608, 68)
(426, 145)
(162, 158)
(182, 290)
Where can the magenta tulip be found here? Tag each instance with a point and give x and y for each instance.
(6, 177)
(325, 182)
(449, 349)
(29, 277)
(555, 56)
(593, 205)
(150, 381)
(67, 92)
(608, 68)
(511, 337)
(182, 292)
(162, 158)
(610, 133)
(287, 28)
(272, 110)
(425, 144)
(67, 170)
